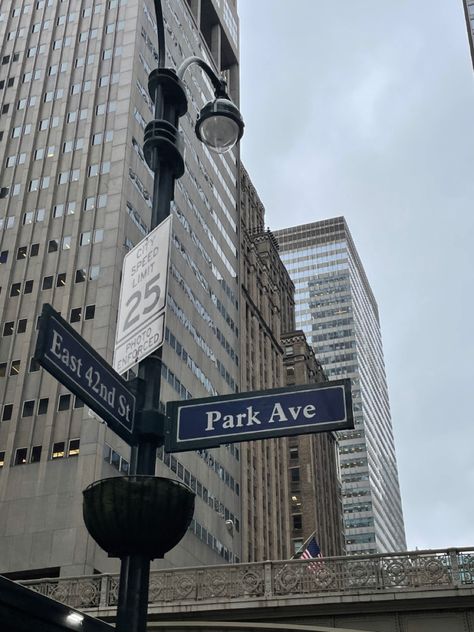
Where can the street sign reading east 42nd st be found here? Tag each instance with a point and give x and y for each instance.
(205, 423)
(141, 315)
(74, 363)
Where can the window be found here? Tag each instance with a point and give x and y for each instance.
(80, 275)
(28, 287)
(58, 210)
(66, 243)
(3, 369)
(15, 289)
(75, 315)
(34, 365)
(61, 280)
(98, 235)
(73, 447)
(64, 402)
(8, 328)
(21, 456)
(94, 273)
(2, 459)
(3, 256)
(78, 403)
(297, 521)
(293, 453)
(34, 250)
(28, 408)
(28, 217)
(15, 367)
(21, 326)
(35, 454)
(7, 412)
(43, 406)
(86, 238)
(89, 203)
(47, 283)
(22, 252)
(295, 474)
(90, 312)
(58, 450)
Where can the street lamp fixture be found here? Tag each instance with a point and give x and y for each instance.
(219, 125)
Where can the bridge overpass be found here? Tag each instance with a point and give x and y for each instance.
(417, 591)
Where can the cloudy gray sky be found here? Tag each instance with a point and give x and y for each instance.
(365, 108)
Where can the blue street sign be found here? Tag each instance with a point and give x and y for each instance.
(74, 363)
(209, 422)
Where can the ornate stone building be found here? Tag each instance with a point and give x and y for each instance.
(267, 309)
(313, 468)
(267, 315)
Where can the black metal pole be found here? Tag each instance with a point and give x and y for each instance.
(163, 153)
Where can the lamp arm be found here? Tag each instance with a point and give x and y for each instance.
(220, 85)
(160, 26)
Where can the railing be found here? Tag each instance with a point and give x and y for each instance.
(272, 580)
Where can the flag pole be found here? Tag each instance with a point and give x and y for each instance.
(302, 547)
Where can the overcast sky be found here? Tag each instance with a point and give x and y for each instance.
(365, 108)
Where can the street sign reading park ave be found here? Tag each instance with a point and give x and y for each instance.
(204, 423)
(141, 315)
(74, 363)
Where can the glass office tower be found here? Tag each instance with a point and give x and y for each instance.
(337, 310)
(73, 107)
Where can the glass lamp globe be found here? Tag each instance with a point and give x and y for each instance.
(219, 125)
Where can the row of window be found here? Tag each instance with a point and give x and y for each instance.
(202, 311)
(76, 315)
(68, 146)
(216, 545)
(192, 365)
(33, 407)
(59, 450)
(39, 214)
(221, 472)
(53, 121)
(201, 490)
(203, 281)
(41, 4)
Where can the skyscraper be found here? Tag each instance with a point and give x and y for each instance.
(337, 310)
(73, 107)
(469, 14)
(279, 510)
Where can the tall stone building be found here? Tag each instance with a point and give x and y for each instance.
(313, 463)
(336, 309)
(74, 105)
(267, 318)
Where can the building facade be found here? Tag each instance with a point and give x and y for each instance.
(336, 309)
(313, 463)
(277, 513)
(469, 15)
(74, 105)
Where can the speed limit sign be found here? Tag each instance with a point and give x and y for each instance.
(141, 315)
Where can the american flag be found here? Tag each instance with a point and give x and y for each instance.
(311, 552)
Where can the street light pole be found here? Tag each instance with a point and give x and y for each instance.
(220, 126)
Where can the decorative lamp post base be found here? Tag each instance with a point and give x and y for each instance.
(137, 515)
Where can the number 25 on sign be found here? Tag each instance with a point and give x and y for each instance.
(140, 323)
(145, 298)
